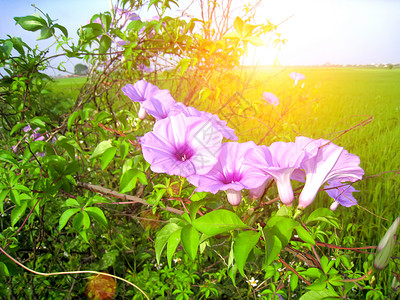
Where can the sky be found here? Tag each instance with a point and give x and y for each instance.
(317, 31)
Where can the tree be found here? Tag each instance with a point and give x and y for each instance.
(81, 69)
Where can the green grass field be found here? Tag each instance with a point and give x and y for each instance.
(68, 86)
(345, 98)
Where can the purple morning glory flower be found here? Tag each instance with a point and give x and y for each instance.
(158, 109)
(219, 124)
(127, 15)
(280, 160)
(180, 145)
(230, 173)
(325, 161)
(142, 91)
(35, 136)
(120, 42)
(258, 192)
(144, 68)
(296, 77)
(270, 98)
(341, 193)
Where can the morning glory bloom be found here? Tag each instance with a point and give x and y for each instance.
(127, 15)
(280, 160)
(144, 68)
(180, 145)
(219, 124)
(325, 161)
(158, 109)
(142, 91)
(341, 193)
(120, 42)
(296, 77)
(230, 173)
(270, 98)
(35, 136)
(258, 192)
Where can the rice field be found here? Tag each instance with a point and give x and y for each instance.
(359, 109)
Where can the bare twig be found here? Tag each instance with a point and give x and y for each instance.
(131, 199)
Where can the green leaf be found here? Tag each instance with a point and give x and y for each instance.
(194, 208)
(72, 202)
(136, 25)
(323, 294)
(19, 45)
(100, 149)
(105, 43)
(8, 159)
(142, 178)
(66, 216)
(6, 48)
(294, 281)
(190, 240)
(83, 234)
(312, 272)
(14, 197)
(255, 40)
(320, 214)
(109, 259)
(243, 244)
(238, 24)
(106, 20)
(162, 238)
(3, 195)
(124, 149)
(102, 116)
(91, 31)
(18, 212)
(71, 168)
(218, 221)
(69, 145)
(20, 187)
(17, 127)
(107, 157)
(305, 235)
(173, 242)
(62, 28)
(232, 35)
(4, 270)
(31, 23)
(184, 64)
(128, 181)
(38, 121)
(81, 221)
(72, 119)
(98, 215)
(45, 33)
(232, 273)
(318, 285)
(273, 247)
(282, 227)
(198, 196)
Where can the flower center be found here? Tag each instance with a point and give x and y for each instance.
(232, 177)
(183, 153)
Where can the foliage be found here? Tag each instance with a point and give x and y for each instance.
(77, 194)
(81, 69)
